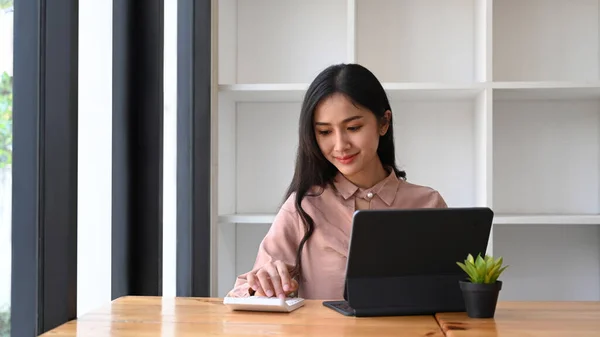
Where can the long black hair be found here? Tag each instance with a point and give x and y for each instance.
(312, 169)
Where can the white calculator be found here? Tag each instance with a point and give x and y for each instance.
(259, 303)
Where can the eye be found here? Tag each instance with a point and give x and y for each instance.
(354, 128)
(323, 132)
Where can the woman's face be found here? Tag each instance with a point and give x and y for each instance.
(348, 136)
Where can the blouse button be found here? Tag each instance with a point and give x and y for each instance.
(369, 195)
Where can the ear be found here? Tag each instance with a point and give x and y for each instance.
(385, 123)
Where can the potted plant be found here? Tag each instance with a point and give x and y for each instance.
(480, 290)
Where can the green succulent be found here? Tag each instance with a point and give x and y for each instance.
(482, 269)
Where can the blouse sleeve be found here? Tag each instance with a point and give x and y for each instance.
(280, 243)
(439, 201)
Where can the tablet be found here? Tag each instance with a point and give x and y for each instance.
(403, 262)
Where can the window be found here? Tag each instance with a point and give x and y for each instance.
(6, 80)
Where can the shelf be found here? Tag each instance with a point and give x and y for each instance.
(294, 92)
(495, 102)
(547, 219)
(434, 134)
(273, 41)
(545, 84)
(266, 139)
(546, 156)
(499, 219)
(415, 40)
(267, 92)
(247, 218)
(549, 263)
(545, 40)
(432, 91)
(546, 90)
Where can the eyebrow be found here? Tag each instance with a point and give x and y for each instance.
(349, 119)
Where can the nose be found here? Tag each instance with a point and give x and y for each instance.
(342, 142)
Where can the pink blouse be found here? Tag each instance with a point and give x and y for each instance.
(324, 254)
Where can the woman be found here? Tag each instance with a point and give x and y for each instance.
(345, 162)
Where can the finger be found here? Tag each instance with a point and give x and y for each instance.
(294, 285)
(265, 282)
(275, 280)
(260, 293)
(252, 281)
(282, 269)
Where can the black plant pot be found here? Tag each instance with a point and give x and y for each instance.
(480, 299)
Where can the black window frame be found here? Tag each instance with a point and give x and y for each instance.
(137, 148)
(194, 67)
(44, 207)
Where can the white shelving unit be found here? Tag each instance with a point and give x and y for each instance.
(496, 103)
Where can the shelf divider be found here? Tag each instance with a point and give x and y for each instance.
(547, 219)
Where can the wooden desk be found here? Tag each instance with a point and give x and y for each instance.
(155, 316)
(531, 319)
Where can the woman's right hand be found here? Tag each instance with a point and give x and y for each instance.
(272, 279)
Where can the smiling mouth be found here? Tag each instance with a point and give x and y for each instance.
(346, 159)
